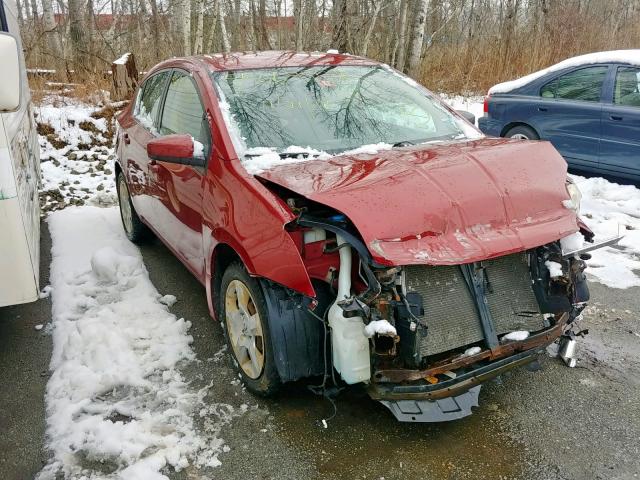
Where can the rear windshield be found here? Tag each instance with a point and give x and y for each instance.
(332, 108)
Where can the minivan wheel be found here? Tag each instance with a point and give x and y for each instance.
(243, 311)
(522, 132)
(136, 231)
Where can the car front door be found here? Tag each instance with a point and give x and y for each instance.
(146, 113)
(568, 114)
(179, 187)
(620, 146)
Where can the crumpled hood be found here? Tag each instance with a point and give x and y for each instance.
(443, 204)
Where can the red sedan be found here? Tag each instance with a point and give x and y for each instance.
(343, 218)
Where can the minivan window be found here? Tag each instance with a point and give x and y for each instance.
(627, 89)
(147, 110)
(584, 84)
(183, 111)
(333, 108)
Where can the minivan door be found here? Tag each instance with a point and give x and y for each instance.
(620, 146)
(568, 114)
(179, 187)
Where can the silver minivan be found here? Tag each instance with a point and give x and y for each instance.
(19, 171)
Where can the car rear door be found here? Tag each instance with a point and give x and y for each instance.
(620, 146)
(146, 113)
(568, 114)
(179, 187)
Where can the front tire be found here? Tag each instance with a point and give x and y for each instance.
(243, 311)
(136, 231)
(522, 132)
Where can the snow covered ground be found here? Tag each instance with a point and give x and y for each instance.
(117, 402)
(76, 151)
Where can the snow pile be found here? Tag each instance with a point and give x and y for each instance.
(76, 152)
(610, 209)
(517, 336)
(116, 399)
(259, 159)
(572, 242)
(470, 352)
(379, 327)
(613, 56)
(555, 269)
(123, 59)
(369, 149)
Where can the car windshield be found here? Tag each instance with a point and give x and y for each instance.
(332, 109)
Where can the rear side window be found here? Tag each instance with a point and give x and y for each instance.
(183, 111)
(627, 89)
(148, 104)
(584, 84)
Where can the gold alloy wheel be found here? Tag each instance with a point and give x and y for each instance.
(244, 328)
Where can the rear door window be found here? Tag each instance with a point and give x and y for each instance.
(584, 84)
(627, 88)
(149, 101)
(183, 112)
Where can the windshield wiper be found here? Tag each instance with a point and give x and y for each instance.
(284, 154)
(404, 143)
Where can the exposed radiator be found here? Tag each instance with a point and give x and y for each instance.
(450, 310)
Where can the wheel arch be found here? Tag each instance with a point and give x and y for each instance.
(511, 125)
(297, 336)
(220, 257)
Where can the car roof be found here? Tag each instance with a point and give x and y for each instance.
(269, 59)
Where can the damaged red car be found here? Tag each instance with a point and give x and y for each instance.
(342, 218)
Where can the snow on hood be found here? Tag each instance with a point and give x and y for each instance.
(621, 56)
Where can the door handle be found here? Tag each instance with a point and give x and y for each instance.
(615, 117)
(542, 109)
(126, 138)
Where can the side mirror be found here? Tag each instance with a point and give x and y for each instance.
(468, 116)
(10, 85)
(178, 149)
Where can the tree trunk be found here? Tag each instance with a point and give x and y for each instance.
(297, 15)
(223, 29)
(415, 51)
(185, 15)
(77, 33)
(52, 39)
(199, 40)
(155, 30)
(367, 37)
(124, 76)
(20, 15)
(262, 13)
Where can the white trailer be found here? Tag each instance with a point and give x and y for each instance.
(19, 171)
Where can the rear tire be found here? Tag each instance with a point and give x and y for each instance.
(244, 317)
(522, 132)
(136, 231)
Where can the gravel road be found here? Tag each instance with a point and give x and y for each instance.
(553, 423)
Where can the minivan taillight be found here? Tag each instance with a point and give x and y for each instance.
(486, 106)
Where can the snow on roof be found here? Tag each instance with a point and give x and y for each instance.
(613, 56)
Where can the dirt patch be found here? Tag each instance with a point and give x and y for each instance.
(44, 129)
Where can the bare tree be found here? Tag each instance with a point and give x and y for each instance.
(226, 47)
(417, 40)
(77, 33)
(50, 28)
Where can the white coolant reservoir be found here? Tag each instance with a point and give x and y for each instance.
(350, 346)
